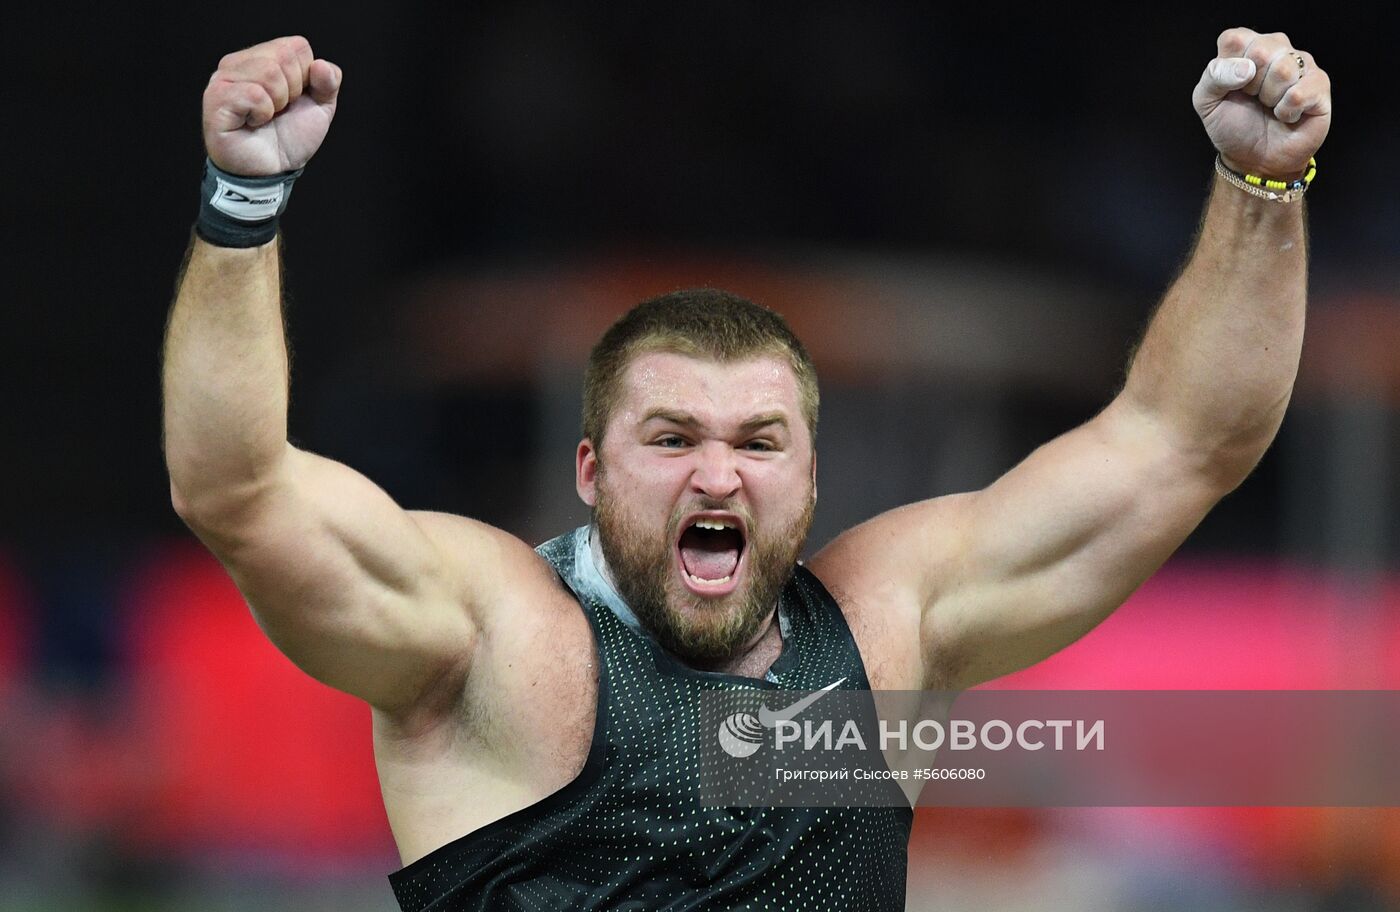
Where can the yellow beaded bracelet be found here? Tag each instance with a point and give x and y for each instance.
(1267, 188)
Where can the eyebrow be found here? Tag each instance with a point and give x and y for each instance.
(685, 419)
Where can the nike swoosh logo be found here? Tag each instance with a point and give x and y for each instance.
(771, 717)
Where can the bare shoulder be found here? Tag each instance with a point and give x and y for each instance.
(901, 557)
(533, 649)
(885, 572)
(477, 541)
(514, 573)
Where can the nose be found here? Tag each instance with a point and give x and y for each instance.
(716, 472)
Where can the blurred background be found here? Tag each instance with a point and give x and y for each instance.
(967, 214)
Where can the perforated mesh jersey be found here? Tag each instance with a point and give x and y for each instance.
(630, 831)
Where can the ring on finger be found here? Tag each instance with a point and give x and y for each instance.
(1301, 63)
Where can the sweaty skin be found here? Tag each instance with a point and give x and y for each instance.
(480, 667)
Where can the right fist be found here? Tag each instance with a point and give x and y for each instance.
(267, 108)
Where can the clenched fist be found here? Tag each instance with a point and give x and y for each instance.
(267, 108)
(1266, 105)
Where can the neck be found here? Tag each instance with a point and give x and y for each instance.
(753, 659)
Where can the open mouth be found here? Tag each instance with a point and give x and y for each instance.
(710, 550)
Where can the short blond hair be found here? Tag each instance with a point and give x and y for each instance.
(699, 322)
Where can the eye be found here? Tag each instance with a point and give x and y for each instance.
(759, 446)
(670, 441)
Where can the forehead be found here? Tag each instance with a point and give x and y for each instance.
(720, 393)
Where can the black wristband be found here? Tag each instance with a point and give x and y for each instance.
(236, 211)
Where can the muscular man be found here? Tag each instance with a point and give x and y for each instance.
(533, 710)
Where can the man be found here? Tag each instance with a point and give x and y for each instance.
(533, 711)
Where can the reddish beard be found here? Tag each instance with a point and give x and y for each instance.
(701, 631)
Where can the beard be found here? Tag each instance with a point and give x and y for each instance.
(699, 630)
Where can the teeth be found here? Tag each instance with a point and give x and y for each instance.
(713, 524)
(705, 582)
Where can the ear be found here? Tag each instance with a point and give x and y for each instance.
(586, 472)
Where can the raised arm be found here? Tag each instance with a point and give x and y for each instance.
(1001, 578)
(365, 596)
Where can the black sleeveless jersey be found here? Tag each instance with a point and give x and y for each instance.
(630, 831)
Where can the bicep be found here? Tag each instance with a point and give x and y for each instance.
(359, 593)
(1001, 578)
(1051, 548)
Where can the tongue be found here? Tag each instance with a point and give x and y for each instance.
(709, 555)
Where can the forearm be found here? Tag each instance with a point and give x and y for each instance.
(224, 377)
(1216, 367)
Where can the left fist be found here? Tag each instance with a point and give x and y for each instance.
(1266, 105)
